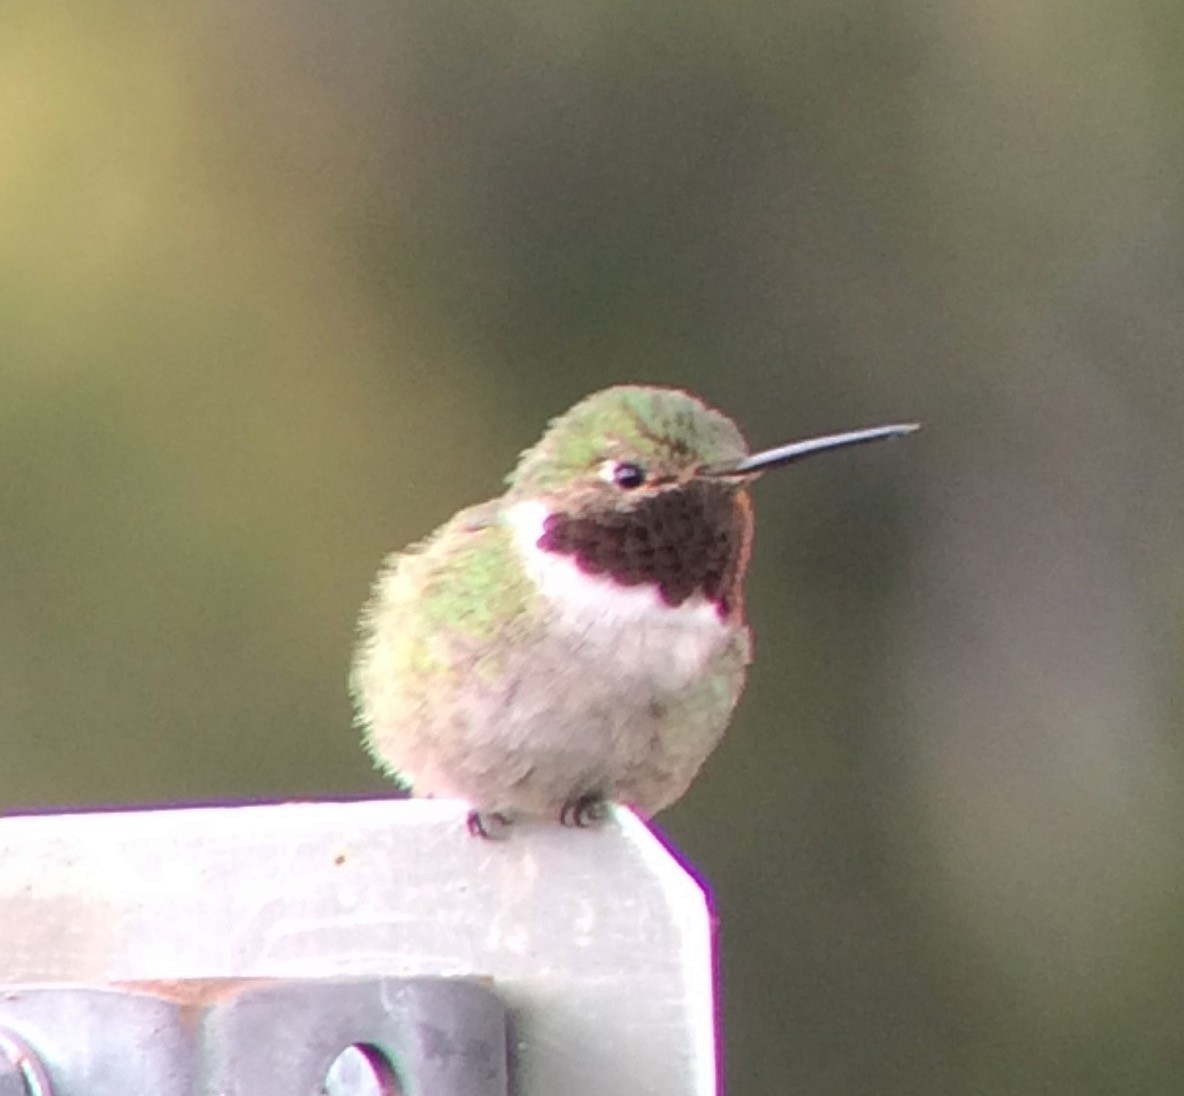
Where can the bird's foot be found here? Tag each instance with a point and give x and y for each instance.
(587, 810)
(489, 825)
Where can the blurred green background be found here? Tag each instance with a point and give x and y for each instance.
(283, 285)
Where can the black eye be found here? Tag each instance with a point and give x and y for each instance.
(628, 475)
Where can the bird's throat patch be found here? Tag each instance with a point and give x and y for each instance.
(683, 540)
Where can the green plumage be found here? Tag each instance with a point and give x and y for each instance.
(664, 426)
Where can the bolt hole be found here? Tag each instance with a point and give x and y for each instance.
(361, 1070)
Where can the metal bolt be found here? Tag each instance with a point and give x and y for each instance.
(20, 1071)
(359, 1070)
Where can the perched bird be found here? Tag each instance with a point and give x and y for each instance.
(581, 639)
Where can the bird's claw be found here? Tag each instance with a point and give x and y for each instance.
(587, 810)
(488, 825)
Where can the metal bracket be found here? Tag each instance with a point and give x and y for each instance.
(234, 1037)
(598, 943)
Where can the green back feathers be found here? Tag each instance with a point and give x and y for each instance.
(652, 425)
(448, 608)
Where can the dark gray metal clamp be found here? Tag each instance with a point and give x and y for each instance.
(234, 1037)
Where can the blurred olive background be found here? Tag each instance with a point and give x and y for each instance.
(282, 285)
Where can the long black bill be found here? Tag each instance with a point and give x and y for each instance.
(799, 450)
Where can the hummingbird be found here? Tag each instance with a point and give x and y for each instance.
(581, 639)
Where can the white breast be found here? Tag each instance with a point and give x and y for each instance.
(626, 630)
